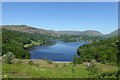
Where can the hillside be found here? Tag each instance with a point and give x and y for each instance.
(17, 42)
(91, 33)
(114, 33)
(30, 29)
(25, 28)
(22, 37)
(42, 69)
(104, 51)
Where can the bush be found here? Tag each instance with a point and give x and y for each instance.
(75, 60)
(56, 66)
(49, 61)
(30, 62)
(64, 65)
(93, 68)
(8, 58)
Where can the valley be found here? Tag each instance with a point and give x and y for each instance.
(60, 40)
(73, 51)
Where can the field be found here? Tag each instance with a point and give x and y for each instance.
(44, 69)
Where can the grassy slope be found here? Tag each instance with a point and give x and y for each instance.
(21, 69)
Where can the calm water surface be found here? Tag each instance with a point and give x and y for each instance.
(61, 51)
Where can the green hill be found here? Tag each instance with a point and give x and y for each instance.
(29, 29)
(17, 42)
(104, 51)
(25, 28)
(114, 33)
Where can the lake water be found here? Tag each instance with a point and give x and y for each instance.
(60, 51)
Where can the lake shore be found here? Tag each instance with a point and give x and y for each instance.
(59, 52)
(40, 60)
(61, 62)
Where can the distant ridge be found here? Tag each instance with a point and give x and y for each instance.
(114, 33)
(29, 29)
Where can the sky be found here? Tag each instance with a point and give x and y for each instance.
(78, 16)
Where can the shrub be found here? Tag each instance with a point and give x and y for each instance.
(56, 65)
(92, 68)
(49, 61)
(75, 60)
(80, 60)
(8, 58)
(30, 62)
(64, 65)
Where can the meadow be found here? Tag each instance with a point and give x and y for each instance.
(25, 68)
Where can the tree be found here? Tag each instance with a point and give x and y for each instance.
(75, 60)
(8, 58)
(104, 51)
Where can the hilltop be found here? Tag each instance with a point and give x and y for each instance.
(25, 28)
(114, 33)
(29, 29)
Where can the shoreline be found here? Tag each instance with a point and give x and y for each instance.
(41, 61)
(61, 62)
(51, 60)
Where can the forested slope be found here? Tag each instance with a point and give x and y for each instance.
(15, 41)
(104, 51)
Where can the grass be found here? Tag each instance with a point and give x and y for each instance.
(107, 68)
(41, 69)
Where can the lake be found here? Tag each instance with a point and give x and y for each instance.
(60, 51)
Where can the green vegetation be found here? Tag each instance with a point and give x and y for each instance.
(104, 51)
(74, 38)
(8, 58)
(68, 36)
(49, 61)
(98, 59)
(16, 42)
(42, 69)
(18, 38)
(77, 60)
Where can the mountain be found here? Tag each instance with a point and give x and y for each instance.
(92, 33)
(82, 33)
(68, 32)
(114, 33)
(29, 29)
(25, 28)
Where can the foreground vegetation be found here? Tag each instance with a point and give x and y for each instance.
(26, 68)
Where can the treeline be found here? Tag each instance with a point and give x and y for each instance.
(74, 38)
(104, 51)
(15, 41)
